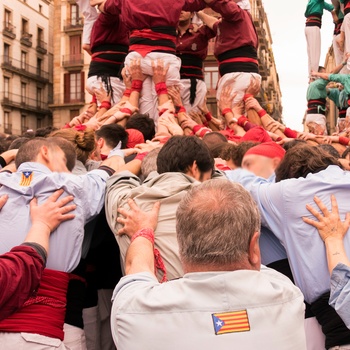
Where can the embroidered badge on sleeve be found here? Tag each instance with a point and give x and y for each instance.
(231, 322)
(26, 178)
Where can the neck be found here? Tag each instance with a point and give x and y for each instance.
(242, 265)
(183, 25)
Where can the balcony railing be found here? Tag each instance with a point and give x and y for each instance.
(9, 30)
(8, 128)
(24, 68)
(73, 24)
(24, 103)
(70, 61)
(26, 39)
(41, 46)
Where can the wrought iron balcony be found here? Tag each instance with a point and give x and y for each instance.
(25, 69)
(8, 128)
(73, 61)
(24, 103)
(26, 39)
(9, 30)
(41, 46)
(73, 24)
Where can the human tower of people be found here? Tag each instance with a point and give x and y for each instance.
(147, 223)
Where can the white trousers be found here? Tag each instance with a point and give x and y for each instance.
(346, 28)
(338, 55)
(74, 338)
(315, 339)
(201, 92)
(117, 85)
(90, 15)
(239, 82)
(148, 97)
(313, 42)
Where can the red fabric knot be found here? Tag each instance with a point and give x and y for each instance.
(127, 92)
(105, 104)
(148, 233)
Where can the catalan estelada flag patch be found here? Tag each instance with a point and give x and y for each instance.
(231, 322)
(26, 178)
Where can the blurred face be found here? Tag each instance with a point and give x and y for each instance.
(184, 16)
(317, 129)
(57, 160)
(259, 165)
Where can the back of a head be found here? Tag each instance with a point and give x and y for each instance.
(68, 149)
(149, 163)
(179, 153)
(45, 131)
(296, 142)
(215, 222)
(113, 134)
(16, 144)
(235, 153)
(302, 160)
(215, 142)
(29, 151)
(83, 142)
(143, 123)
(330, 149)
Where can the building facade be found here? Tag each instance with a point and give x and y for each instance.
(26, 65)
(70, 63)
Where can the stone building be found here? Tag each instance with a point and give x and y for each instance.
(26, 55)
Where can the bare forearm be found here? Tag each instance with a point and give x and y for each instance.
(139, 257)
(335, 253)
(39, 233)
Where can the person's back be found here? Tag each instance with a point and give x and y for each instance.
(169, 186)
(224, 299)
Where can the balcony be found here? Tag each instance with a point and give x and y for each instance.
(7, 128)
(24, 103)
(9, 30)
(75, 61)
(41, 47)
(16, 66)
(26, 39)
(73, 24)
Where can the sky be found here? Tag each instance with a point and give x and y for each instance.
(287, 24)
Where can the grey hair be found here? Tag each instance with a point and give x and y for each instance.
(215, 223)
(149, 163)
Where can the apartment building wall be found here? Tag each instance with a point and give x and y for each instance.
(26, 65)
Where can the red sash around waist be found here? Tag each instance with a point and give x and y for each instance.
(45, 313)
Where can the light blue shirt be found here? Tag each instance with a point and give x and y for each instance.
(66, 242)
(340, 292)
(282, 206)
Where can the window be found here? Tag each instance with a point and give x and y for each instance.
(39, 123)
(23, 92)
(39, 97)
(40, 36)
(7, 53)
(74, 14)
(211, 77)
(39, 66)
(40, 9)
(8, 19)
(74, 87)
(23, 60)
(24, 126)
(6, 87)
(25, 27)
(7, 122)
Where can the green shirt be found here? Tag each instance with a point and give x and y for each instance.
(344, 79)
(317, 90)
(316, 7)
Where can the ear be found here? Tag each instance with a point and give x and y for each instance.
(193, 170)
(100, 142)
(254, 251)
(44, 153)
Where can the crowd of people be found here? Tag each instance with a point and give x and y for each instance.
(148, 223)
